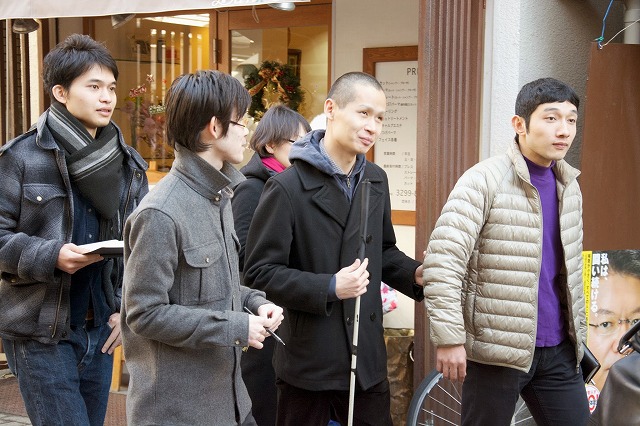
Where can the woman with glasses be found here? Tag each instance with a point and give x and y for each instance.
(614, 308)
(278, 129)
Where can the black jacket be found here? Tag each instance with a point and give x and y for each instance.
(303, 232)
(36, 220)
(245, 198)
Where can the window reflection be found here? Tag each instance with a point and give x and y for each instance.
(150, 53)
(306, 49)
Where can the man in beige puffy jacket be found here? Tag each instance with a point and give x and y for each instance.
(503, 283)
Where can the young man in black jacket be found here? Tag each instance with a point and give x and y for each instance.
(70, 180)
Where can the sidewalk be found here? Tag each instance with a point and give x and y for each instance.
(11, 420)
(11, 406)
(12, 412)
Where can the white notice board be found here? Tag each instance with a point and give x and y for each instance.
(395, 150)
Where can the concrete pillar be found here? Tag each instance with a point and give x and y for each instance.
(631, 15)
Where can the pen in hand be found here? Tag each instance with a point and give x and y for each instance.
(271, 332)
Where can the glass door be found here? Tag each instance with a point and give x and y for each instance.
(280, 57)
(151, 52)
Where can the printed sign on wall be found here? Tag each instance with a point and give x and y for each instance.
(396, 146)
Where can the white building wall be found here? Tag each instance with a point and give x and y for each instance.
(370, 23)
(530, 39)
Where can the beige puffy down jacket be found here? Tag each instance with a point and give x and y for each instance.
(484, 258)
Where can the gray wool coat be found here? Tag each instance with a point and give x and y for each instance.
(183, 328)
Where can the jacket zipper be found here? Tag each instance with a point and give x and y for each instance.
(572, 327)
(126, 204)
(67, 238)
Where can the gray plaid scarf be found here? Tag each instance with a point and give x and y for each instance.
(95, 165)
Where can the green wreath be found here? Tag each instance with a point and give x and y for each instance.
(280, 80)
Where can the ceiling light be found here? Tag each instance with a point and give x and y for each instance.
(24, 26)
(119, 20)
(286, 6)
(200, 20)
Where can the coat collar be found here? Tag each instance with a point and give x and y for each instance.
(254, 168)
(328, 196)
(201, 176)
(312, 178)
(564, 172)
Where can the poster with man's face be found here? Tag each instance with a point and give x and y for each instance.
(612, 293)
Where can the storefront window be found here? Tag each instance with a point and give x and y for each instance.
(151, 53)
(304, 49)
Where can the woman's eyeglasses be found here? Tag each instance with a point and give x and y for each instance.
(299, 137)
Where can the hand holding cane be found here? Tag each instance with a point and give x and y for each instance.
(364, 216)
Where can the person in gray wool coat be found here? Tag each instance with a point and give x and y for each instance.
(277, 131)
(183, 317)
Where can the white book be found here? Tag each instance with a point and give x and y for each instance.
(109, 248)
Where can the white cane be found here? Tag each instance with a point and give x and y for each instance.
(364, 216)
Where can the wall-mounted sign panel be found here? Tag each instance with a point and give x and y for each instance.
(396, 68)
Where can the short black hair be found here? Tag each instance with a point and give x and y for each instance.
(71, 58)
(194, 98)
(279, 124)
(624, 262)
(542, 91)
(343, 90)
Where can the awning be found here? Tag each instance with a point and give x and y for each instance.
(12, 9)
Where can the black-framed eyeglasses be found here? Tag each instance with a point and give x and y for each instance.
(238, 124)
(609, 327)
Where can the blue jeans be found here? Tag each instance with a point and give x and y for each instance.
(67, 383)
(553, 390)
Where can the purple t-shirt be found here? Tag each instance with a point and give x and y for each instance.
(551, 330)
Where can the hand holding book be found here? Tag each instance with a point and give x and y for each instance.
(110, 248)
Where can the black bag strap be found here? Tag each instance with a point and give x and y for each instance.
(630, 339)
